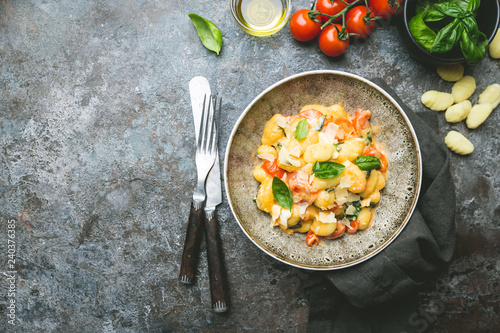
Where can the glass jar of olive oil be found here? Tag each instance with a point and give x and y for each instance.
(261, 17)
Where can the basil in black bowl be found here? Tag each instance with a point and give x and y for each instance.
(449, 31)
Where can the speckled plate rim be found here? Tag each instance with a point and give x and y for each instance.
(388, 240)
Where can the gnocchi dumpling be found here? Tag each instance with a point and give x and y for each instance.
(463, 88)
(451, 73)
(272, 131)
(490, 95)
(437, 101)
(494, 47)
(458, 143)
(478, 115)
(458, 112)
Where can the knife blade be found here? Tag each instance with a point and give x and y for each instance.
(198, 86)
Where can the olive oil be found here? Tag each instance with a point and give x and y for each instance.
(261, 17)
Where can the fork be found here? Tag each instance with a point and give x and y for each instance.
(206, 152)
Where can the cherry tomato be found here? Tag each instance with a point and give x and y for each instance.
(359, 21)
(330, 43)
(384, 8)
(310, 114)
(311, 238)
(330, 7)
(360, 120)
(302, 27)
(273, 169)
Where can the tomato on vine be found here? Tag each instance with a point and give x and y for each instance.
(303, 25)
(334, 40)
(330, 7)
(384, 8)
(360, 21)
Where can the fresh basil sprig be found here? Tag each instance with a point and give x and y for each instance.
(282, 193)
(368, 162)
(301, 130)
(454, 24)
(209, 34)
(327, 170)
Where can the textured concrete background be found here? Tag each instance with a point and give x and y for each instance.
(97, 169)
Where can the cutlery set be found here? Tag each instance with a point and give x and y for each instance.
(208, 192)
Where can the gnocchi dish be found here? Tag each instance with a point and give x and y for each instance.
(320, 172)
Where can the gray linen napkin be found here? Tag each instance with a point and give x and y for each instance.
(427, 242)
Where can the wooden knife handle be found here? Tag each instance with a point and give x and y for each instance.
(216, 271)
(192, 243)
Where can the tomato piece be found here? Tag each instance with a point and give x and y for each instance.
(312, 239)
(272, 169)
(302, 27)
(344, 124)
(384, 8)
(360, 21)
(372, 150)
(354, 227)
(333, 41)
(330, 7)
(339, 231)
(310, 114)
(360, 120)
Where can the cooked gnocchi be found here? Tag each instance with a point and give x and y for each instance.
(490, 95)
(458, 112)
(463, 88)
(458, 143)
(437, 101)
(494, 47)
(451, 73)
(321, 172)
(478, 115)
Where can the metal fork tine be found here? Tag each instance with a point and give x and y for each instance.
(202, 129)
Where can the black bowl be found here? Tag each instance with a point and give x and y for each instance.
(488, 17)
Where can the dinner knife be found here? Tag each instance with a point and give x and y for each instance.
(198, 88)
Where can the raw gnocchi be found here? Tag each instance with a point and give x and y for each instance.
(458, 143)
(478, 115)
(463, 88)
(451, 73)
(458, 112)
(436, 100)
(494, 47)
(490, 95)
(319, 172)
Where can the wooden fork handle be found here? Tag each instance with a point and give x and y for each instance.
(216, 271)
(192, 243)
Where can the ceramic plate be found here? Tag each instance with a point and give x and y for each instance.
(398, 197)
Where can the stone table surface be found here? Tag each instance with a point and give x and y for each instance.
(97, 172)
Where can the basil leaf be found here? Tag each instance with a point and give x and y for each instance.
(421, 32)
(474, 52)
(208, 32)
(368, 139)
(368, 162)
(472, 29)
(327, 170)
(473, 5)
(434, 16)
(450, 9)
(282, 193)
(447, 37)
(337, 146)
(355, 214)
(301, 130)
(321, 123)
